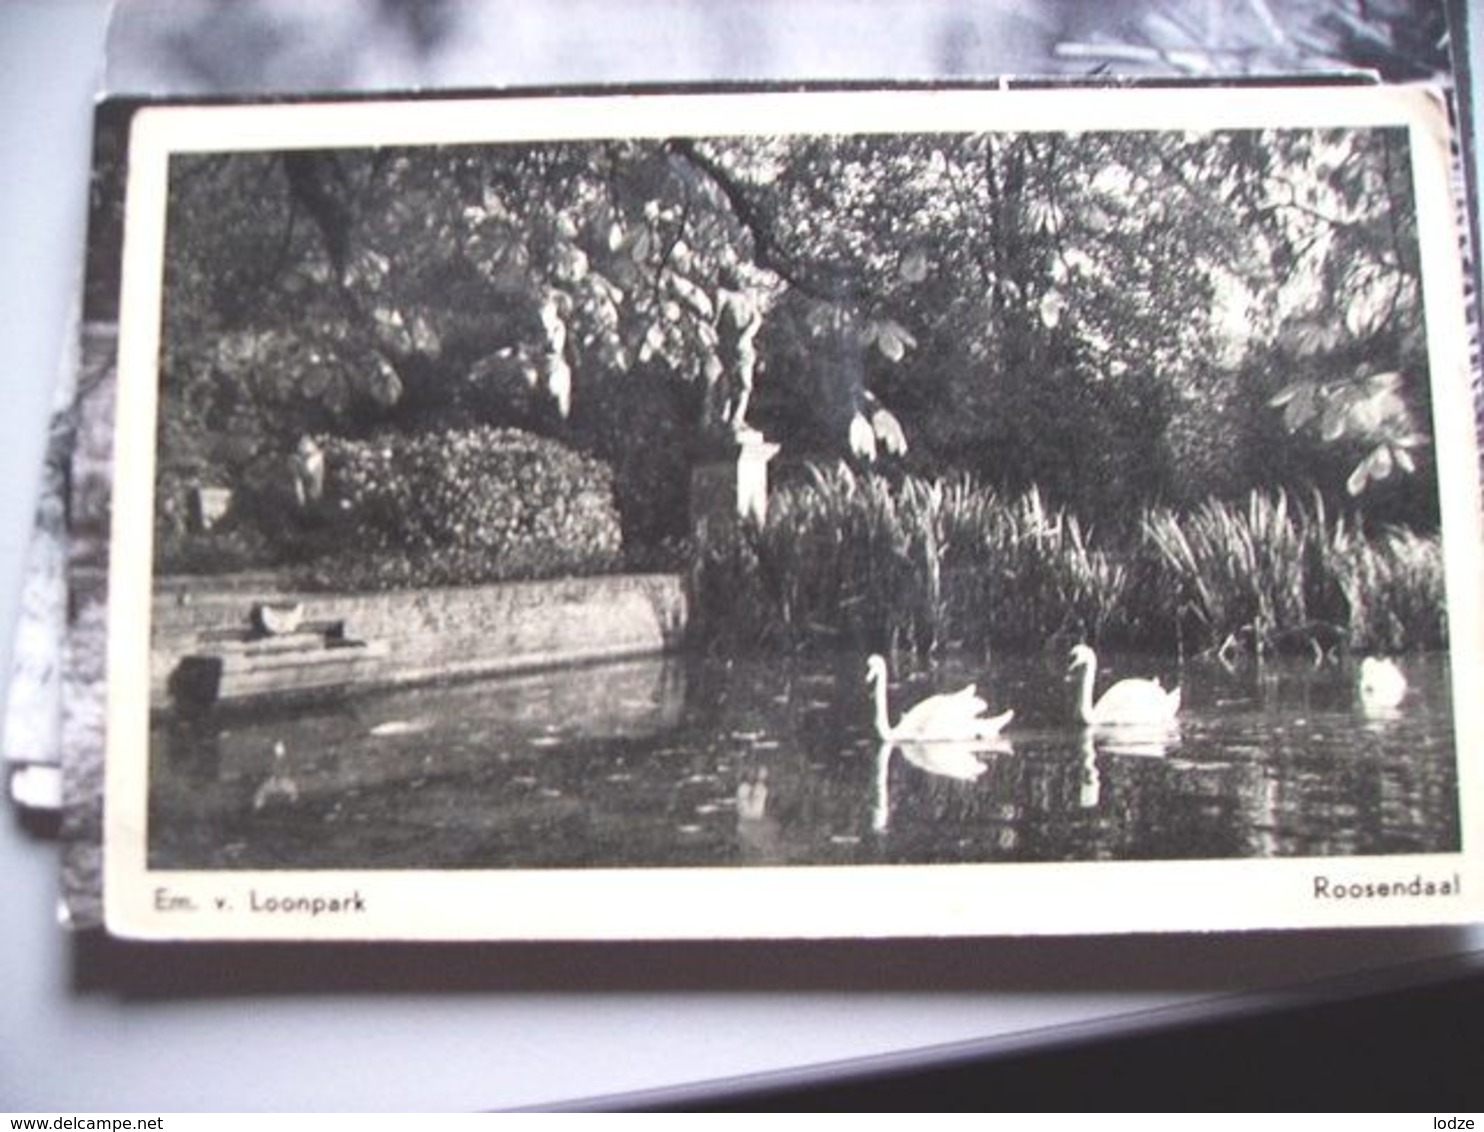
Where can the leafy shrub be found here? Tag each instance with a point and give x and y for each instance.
(240, 539)
(462, 508)
(651, 477)
(227, 551)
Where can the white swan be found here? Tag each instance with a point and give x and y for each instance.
(953, 716)
(1128, 703)
(1382, 684)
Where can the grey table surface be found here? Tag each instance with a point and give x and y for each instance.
(88, 1027)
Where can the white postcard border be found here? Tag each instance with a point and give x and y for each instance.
(753, 902)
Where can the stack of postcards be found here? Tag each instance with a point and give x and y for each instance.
(766, 506)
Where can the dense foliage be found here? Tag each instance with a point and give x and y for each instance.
(854, 559)
(465, 507)
(444, 508)
(1119, 319)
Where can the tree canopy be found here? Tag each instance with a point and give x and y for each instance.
(1117, 317)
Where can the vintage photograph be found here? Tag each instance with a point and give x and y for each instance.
(870, 512)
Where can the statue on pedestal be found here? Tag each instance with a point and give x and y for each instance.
(733, 483)
(730, 371)
(307, 469)
(555, 374)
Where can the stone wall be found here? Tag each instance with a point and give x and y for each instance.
(437, 633)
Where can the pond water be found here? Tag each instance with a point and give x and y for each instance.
(682, 761)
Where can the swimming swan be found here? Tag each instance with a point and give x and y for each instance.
(953, 716)
(1382, 684)
(1127, 703)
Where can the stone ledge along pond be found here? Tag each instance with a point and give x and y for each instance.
(677, 761)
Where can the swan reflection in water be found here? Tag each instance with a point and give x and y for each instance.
(757, 831)
(962, 760)
(1135, 742)
(279, 787)
(1089, 781)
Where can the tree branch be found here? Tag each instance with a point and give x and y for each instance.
(766, 251)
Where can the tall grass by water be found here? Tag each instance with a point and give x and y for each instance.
(849, 558)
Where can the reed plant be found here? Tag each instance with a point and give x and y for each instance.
(1036, 573)
(852, 557)
(1237, 572)
(849, 558)
(1275, 575)
(1393, 589)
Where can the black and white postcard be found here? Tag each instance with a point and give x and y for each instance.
(892, 512)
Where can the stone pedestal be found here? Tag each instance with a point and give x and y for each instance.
(209, 506)
(731, 484)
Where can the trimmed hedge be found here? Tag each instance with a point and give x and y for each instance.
(462, 508)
